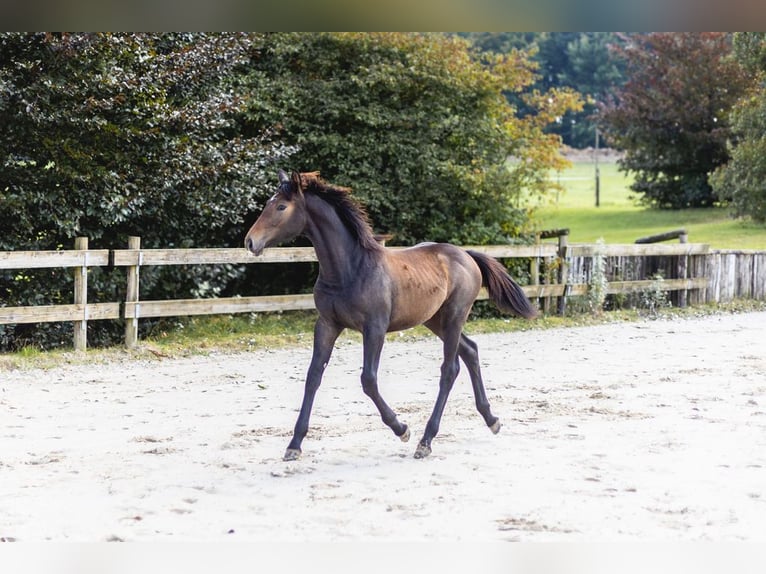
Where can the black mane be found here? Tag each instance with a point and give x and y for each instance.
(350, 211)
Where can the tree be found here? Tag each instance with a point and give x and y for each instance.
(580, 61)
(743, 179)
(418, 125)
(671, 117)
(501, 42)
(594, 71)
(111, 135)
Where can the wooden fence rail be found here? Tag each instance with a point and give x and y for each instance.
(557, 272)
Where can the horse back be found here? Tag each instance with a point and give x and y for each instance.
(426, 276)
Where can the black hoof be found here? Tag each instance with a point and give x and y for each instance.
(292, 454)
(422, 451)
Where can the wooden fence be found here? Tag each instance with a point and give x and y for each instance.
(558, 271)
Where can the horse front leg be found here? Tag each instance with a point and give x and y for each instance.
(325, 335)
(373, 339)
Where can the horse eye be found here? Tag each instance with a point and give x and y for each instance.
(281, 207)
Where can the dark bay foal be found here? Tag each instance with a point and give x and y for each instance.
(367, 287)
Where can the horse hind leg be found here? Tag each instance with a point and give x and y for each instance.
(469, 353)
(449, 371)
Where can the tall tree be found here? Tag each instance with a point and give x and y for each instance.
(595, 71)
(581, 61)
(671, 117)
(417, 124)
(743, 179)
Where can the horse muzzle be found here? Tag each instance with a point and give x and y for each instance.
(254, 246)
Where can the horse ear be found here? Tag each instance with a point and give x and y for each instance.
(283, 177)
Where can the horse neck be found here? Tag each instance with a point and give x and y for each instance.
(339, 253)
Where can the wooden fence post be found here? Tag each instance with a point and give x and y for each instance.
(550, 266)
(81, 296)
(683, 273)
(563, 271)
(534, 272)
(561, 235)
(131, 296)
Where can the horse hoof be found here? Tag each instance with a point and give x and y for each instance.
(422, 451)
(495, 428)
(292, 454)
(405, 436)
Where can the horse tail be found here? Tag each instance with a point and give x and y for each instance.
(504, 291)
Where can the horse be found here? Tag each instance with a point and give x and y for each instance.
(365, 286)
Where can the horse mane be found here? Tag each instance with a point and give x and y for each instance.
(351, 212)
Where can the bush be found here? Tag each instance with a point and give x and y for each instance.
(111, 135)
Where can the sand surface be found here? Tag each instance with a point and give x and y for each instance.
(639, 431)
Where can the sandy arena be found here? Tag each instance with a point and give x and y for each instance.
(640, 431)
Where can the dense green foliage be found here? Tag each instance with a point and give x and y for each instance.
(671, 117)
(743, 178)
(177, 137)
(415, 124)
(111, 135)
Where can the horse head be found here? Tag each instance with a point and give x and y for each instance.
(283, 216)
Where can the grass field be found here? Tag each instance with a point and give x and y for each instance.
(620, 220)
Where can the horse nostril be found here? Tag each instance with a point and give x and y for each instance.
(249, 243)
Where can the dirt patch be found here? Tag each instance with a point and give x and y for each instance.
(643, 431)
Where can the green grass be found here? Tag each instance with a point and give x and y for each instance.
(620, 220)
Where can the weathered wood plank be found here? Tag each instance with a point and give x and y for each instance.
(617, 287)
(267, 303)
(667, 236)
(759, 276)
(544, 291)
(713, 267)
(81, 297)
(130, 257)
(636, 250)
(183, 307)
(98, 311)
(564, 256)
(133, 273)
(49, 259)
(54, 313)
(551, 233)
(728, 276)
(515, 251)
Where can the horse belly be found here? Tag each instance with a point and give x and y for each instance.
(417, 300)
